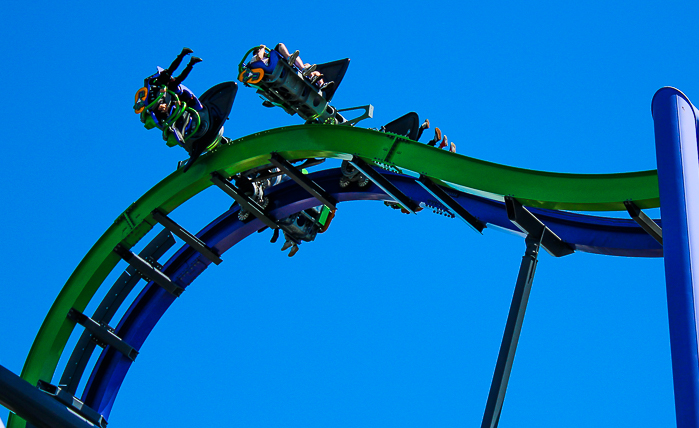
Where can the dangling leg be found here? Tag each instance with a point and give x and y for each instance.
(176, 63)
(179, 79)
(437, 137)
(425, 125)
(293, 58)
(165, 76)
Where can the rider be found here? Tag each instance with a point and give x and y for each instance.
(307, 70)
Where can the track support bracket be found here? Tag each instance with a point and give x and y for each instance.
(243, 200)
(384, 184)
(69, 400)
(148, 271)
(528, 223)
(448, 201)
(311, 186)
(102, 334)
(651, 227)
(187, 237)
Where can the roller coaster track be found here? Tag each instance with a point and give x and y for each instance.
(477, 185)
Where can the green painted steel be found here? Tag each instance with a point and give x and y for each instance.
(579, 192)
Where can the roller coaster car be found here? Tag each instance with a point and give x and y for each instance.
(284, 85)
(196, 131)
(254, 182)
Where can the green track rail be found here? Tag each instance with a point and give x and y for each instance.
(576, 192)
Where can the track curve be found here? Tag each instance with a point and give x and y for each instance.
(595, 192)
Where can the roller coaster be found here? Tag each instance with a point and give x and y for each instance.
(393, 168)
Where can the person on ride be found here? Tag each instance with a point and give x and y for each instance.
(307, 70)
(174, 84)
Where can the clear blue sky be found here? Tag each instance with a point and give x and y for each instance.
(387, 319)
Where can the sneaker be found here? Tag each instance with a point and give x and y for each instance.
(437, 137)
(452, 148)
(444, 142)
(286, 245)
(294, 250)
(425, 124)
(327, 85)
(308, 70)
(292, 57)
(195, 59)
(186, 51)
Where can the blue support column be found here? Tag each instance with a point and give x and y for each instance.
(678, 178)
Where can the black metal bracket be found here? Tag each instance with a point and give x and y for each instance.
(384, 184)
(103, 334)
(69, 400)
(311, 186)
(651, 227)
(187, 237)
(243, 200)
(448, 201)
(528, 223)
(148, 271)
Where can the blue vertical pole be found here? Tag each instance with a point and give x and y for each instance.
(678, 178)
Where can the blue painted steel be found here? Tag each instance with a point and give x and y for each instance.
(678, 178)
(586, 233)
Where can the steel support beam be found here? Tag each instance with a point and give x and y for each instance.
(644, 221)
(449, 202)
(34, 406)
(187, 237)
(538, 235)
(150, 272)
(384, 184)
(243, 200)
(515, 318)
(311, 186)
(103, 334)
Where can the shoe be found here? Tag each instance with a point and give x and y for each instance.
(452, 148)
(315, 78)
(437, 137)
(308, 70)
(267, 104)
(275, 236)
(327, 85)
(292, 57)
(294, 250)
(444, 142)
(286, 245)
(186, 51)
(195, 59)
(425, 124)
